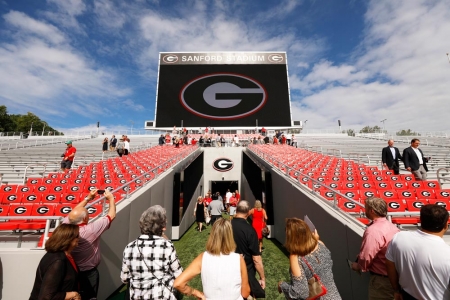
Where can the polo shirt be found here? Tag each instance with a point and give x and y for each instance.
(246, 240)
(216, 207)
(422, 261)
(70, 151)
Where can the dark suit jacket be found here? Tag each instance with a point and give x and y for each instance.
(411, 160)
(386, 157)
(54, 277)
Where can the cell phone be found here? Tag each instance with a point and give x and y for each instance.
(100, 192)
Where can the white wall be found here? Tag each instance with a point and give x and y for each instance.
(213, 153)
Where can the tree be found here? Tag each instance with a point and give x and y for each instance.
(369, 129)
(407, 132)
(6, 123)
(350, 132)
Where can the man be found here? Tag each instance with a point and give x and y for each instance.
(227, 199)
(263, 131)
(418, 262)
(233, 204)
(236, 141)
(218, 142)
(247, 244)
(161, 140)
(68, 157)
(390, 156)
(87, 253)
(112, 143)
(375, 241)
(215, 208)
(414, 160)
(293, 142)
(266, 140)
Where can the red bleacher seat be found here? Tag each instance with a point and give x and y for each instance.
(94, 210)
(34, 181)
(8, 188)
(72, 198)
(349, 185)
(383, 185)
(349, 206)
(366, 185)
(42, 188)
(394, 178)
(58, 188)
(396, 205)
(51, 197)
(407, 194)
(25, 188)
(399, 185)
(31, 197)
(63, 209)
(366, 193)
(352, 194)
(327, 194)
(441, 202)
(388, 194)
(416, 185)
(415, 204)
(406, 220)
(4, 210)
(407, 178)
(443, 194)
(20, 210)
(425, 193)
(365, 221)
(432, 184)
(8, 198)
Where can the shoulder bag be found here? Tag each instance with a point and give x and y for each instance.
(315, 286)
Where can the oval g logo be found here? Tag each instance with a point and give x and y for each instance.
(223, 164)
(225, 96)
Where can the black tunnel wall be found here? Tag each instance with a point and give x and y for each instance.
(257, 185)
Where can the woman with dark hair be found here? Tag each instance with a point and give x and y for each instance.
(199, 213)
(259, 221)
(150, 263)
(105, 144)
(219, 261)
(57, 273)
(308, 256)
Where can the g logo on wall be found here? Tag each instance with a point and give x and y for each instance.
(223, 164)
(275, 58)
(226, 96)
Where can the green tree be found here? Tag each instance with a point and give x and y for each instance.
(407, 132)
(6, 123)
(369, 129)
(350, 132)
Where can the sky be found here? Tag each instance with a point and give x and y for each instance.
(76, 62)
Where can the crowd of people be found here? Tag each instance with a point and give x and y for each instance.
(403, 265)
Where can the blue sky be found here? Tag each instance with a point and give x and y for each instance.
(75, 62)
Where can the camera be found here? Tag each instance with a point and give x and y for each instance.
(100, 192)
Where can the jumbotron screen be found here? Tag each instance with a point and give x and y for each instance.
(227, 89)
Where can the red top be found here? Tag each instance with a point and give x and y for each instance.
(206, 129)
(193, 142)
(69, 151)
(238, 196)
(207, 200)
(233, 201)
(283, 140)
(275, 141)
(263, 129)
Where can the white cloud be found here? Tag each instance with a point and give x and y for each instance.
(49, 78)
(109, 14)
(66, 14)
(27, 25)
(130, 104)
(399, 72)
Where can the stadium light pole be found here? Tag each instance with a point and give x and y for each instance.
(132, 123)
(31, 129)
(304, 124)
(382, 121)
(43, 130)
(448, 58)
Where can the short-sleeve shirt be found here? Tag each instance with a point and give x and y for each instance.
(70, 151)
(246, 240)
(87, 254)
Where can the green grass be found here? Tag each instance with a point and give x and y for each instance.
(276, 262)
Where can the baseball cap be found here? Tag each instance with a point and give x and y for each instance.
(68, 142)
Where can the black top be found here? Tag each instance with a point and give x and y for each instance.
(55, 276)
(388, 159)
(161, 140)
(412, 161)
(246, 240)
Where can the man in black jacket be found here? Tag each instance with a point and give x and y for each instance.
(414, 160)
(390, 156)
(161, 140)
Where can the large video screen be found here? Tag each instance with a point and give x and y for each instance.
(223, 90)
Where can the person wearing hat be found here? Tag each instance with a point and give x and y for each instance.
(68, 157)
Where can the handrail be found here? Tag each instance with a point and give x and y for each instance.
(31, 167)
(441, 177)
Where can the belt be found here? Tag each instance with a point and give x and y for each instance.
(373, 273)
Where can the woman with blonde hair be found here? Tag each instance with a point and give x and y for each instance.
(199, 213)
(308, 256)
(218, 264)
(259, 221)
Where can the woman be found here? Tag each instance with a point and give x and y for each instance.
(57, 273)
(105, 144)
(218, 261)
(120, 147)
(199, 213)
(303, 245)
(259, 221)
(151, 278)
(126, 146)
(275, 140)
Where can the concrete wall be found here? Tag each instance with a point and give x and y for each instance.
(210, 174)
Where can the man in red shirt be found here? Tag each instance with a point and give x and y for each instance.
(68, 157)
(263, 131)
(283, 139)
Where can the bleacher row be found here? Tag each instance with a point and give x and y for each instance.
(354, 181)
(57, 193)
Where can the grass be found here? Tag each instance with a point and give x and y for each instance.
(275, 261)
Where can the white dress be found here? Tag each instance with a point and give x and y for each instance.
(221, 276)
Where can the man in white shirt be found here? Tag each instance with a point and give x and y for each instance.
(418, 262)
(227, 199)
(414, 160)
(236, 141)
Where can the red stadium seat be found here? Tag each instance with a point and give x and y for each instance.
(8, 188)
(443, 194)
(415, 205)
(94, 210)
(407, 194)
(441, 202)
(31, 197)
(20, 210)
(25, 188)
(432, 184)
(63, 209)
(352, 194)
(350, 206)
(8, 198)
(34, 181)
(72, 198)
(51, 198)
(365, 221)
(394, 178)
(425, 193)
(408, 178)
(406, 220)
(366, 193)
(349, 185)
(4, 210)
(388, 194)
(327, 194)
(416, 185)
(396, 205)
(399, 185)
(383, 185)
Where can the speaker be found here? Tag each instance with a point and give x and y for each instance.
(297, 123)
(339, 122)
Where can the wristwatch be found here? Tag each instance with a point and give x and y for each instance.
(87, 199)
